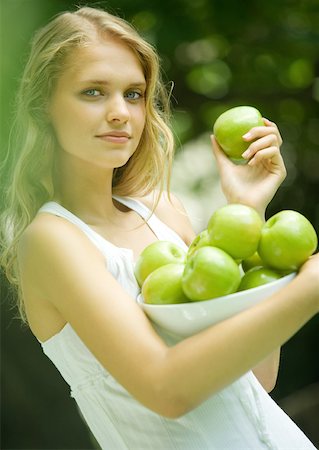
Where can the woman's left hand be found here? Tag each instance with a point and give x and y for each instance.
(255, 183)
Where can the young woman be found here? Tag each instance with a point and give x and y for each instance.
(92, 150)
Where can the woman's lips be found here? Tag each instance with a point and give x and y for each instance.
(116, 137)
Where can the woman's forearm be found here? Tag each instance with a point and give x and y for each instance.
(201, 365)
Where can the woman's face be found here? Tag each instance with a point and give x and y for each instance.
(97, 108)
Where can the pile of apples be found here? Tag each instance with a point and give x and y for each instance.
(237, 251)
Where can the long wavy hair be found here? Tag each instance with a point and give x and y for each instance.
(31, 159)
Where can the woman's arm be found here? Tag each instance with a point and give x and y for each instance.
(267, 371)
(70, 273)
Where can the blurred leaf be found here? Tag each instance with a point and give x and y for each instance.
(211, 80)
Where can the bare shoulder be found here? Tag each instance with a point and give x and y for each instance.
(45, 245)
(51, 241)
(47, 239)
(171, 211)
(47, 233)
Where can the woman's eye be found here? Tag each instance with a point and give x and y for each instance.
(133, 95)
(92, 93)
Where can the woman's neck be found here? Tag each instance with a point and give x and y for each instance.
(85, 190)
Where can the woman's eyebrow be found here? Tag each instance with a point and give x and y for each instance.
(141, 83)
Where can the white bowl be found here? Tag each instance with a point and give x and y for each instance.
(186, 319)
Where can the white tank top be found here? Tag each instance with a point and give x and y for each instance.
(240, 417)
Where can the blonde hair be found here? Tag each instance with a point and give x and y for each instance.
(30, 162)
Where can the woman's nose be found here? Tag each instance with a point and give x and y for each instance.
(117, 110)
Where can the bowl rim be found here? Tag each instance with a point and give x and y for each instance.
(196, 303)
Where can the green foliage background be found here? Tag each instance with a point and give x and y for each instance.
(219, 54)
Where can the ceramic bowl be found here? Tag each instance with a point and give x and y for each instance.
(186, 319)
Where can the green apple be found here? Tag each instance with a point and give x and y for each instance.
(236, 229)
(201, 240)
(164, 285)
(156, 255)
(252, 261)
(257, 276)
(230, 127)
(210, 273)
(287, 240)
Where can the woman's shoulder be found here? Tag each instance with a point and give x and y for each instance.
(171, 211)
(47, 232)
(37, 229)
(43, 226)
(51, 252)
(34, 251)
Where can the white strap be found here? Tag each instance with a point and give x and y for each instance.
(135, 205)
(159, 228)
(59, 210)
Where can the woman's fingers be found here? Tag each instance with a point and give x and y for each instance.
(265, 154)
(272, 160)
(265, 145)
(261, 143)
(268, 123)
(270, 128)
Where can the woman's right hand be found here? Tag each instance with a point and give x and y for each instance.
(253, 184)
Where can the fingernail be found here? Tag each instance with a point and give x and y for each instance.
(247, 135)
(246, 154)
